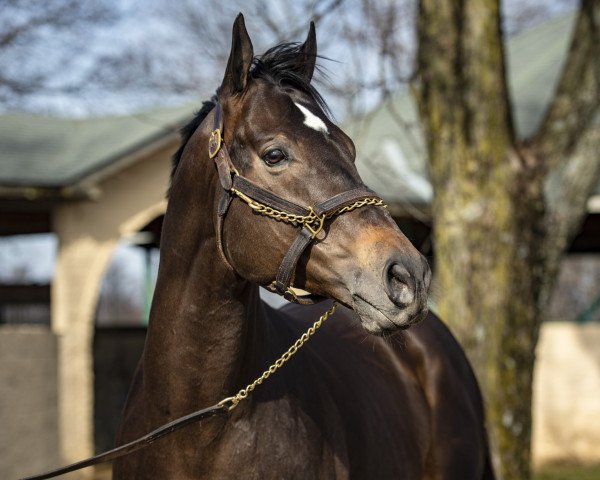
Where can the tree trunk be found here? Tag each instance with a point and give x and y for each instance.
(490, 211)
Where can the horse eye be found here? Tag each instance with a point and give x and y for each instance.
(273, 157)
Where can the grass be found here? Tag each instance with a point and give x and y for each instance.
(554, 472)
(568, 472)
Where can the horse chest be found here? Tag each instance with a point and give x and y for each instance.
(276, 440)
(289, 438)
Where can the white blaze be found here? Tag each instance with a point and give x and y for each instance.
(311, 120)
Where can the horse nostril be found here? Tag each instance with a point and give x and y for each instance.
(400, 285)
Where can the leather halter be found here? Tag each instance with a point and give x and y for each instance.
(270, 204)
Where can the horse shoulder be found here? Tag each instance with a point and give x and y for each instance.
(459, 444)
(350, 383)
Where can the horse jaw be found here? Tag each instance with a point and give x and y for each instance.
(380, 320)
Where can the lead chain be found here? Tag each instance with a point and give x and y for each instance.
(244, 392)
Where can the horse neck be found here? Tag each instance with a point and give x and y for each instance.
(206, 323)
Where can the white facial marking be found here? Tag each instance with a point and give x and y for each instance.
(311, 120)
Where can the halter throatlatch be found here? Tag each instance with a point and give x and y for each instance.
(311, 219)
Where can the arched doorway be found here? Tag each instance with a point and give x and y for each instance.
(120, 326)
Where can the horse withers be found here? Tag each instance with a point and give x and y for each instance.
(400, 404)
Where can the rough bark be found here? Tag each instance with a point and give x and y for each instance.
(491, 213)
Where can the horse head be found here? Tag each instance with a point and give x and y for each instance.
(278, 139)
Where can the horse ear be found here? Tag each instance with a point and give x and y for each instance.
(240, 59)
(308, 51)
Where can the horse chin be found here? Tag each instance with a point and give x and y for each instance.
(381, 321)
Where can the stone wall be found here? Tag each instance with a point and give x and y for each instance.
(566, 414)
(28, 400)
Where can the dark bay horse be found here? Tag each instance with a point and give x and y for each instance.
(400, 404)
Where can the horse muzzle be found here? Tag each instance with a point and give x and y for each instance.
(398, 298)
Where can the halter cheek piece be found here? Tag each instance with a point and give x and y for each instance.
(312, 219)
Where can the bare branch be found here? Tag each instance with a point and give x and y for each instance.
(577, 98)
(24, 26)
(567, 191)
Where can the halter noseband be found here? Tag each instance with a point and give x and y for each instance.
(312, 219)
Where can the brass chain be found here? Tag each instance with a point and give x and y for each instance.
(273, 213)
(233, 401)
(377, 202)
(309, 219)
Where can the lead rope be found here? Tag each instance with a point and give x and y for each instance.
(224, 406)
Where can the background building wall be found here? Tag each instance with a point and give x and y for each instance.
(28, 400)
(566, 412)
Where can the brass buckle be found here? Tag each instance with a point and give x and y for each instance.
(291, 294)
(319, 220)
(214, 143)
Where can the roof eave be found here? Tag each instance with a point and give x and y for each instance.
(84, 186)
(111, 166)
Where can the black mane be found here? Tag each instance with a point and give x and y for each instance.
(187, 131)
(281, 65)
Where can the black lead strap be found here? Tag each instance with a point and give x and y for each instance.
(136, 444)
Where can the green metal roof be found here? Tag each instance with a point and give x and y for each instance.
(391, 156)
(53, 152)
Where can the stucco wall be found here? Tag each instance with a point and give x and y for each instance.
(567, 394)
(28, 400)
(88, 232)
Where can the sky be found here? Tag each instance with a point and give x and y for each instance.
(159, 40)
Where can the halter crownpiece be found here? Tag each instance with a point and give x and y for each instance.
(311, 218)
